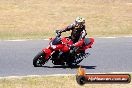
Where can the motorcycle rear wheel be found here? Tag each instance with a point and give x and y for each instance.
(39, 59)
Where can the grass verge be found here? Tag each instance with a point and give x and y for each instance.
(68, 81)
(35, 19)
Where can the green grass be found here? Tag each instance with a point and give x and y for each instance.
(38, 19)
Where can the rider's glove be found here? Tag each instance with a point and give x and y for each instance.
(58, 31)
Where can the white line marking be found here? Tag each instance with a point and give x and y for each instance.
(19, 40)
(48, 39)
(107, 37)
(15, 40)
(122, 72)
(20, 77)
(116, 37)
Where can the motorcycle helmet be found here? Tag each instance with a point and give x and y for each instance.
(79, 21)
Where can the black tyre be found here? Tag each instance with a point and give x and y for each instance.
(81, 80)
(39, 59)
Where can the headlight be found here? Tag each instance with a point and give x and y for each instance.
(53, 46)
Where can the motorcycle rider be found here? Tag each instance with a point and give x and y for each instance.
(78, 32)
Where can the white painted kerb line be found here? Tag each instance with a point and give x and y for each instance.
(55, 75)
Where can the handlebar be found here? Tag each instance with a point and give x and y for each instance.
(58, 33)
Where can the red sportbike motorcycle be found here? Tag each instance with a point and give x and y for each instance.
(61, 53)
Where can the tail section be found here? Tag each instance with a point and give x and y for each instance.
(91, 42)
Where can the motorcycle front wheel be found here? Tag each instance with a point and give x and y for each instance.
(39, 59)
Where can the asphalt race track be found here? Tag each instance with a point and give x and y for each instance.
(107, 55)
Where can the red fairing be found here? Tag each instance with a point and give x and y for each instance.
(90, 45)
(47, 51)
(66, 41)
(92, 40)
(59, 46)
(65, 49)
(79, 43)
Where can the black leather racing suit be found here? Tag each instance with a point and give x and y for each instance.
(77, 33)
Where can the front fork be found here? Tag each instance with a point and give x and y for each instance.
(47, 52)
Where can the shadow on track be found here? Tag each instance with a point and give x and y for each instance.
(73, 67)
